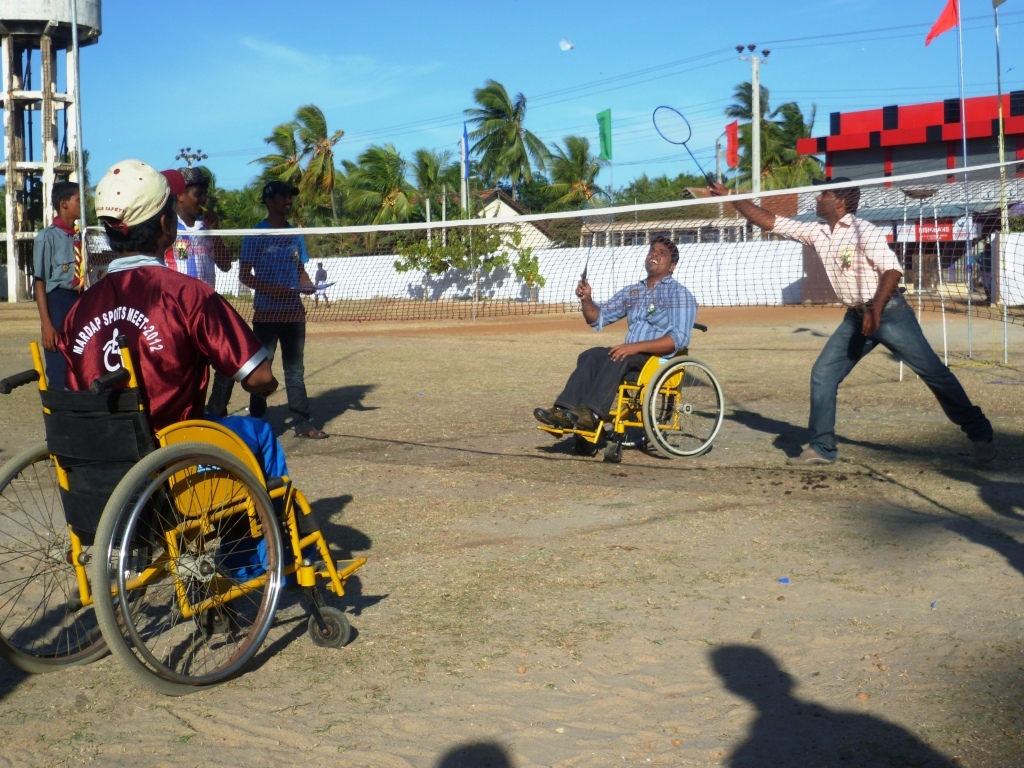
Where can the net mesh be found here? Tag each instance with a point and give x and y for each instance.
(947, 233)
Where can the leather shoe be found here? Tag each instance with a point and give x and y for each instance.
(583, 418)
(809, 458)
(555, 417)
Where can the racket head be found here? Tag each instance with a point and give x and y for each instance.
(671, 125)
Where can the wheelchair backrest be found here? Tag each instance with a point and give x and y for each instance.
(95, 440)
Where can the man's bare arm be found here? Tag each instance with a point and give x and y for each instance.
(758, 216)
(887, 285)
(666, 345)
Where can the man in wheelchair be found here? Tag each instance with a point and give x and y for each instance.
(174, 324)
(660, 313)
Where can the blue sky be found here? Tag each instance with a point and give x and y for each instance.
(206, 74)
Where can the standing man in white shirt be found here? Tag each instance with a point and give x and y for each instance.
(197, 256)
(865, 274)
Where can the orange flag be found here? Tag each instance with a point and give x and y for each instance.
(948, 19)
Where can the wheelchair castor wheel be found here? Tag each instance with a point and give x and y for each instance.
(613, 452)
(338, 631)
(583, 447)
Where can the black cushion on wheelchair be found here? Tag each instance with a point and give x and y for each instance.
(96, 440)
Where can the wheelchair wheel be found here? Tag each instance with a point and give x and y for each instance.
(338, 633)
(683, 408)
(201, 606)
(43, 625)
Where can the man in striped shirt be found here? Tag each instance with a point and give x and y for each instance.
(660, 312)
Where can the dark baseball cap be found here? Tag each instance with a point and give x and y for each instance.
(194, 177)
(836, 180)
(274, 188)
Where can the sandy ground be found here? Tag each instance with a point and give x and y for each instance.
(524, 607)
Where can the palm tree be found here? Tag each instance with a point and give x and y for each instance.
(318, 146)
(573, 173)
(781, 165)
(286, 163)
(431, 170)
(505, 147)
(377, 187)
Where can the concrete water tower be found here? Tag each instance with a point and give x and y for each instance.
(39, 122)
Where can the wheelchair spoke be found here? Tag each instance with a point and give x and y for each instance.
(683, 409)
(43, 624)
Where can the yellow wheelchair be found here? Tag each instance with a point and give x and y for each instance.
(676, 401)
(190, 543)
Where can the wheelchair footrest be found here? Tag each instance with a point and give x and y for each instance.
(346, 568)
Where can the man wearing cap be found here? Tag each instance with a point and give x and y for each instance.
(196, 256)
(274, 267)
(865, 274)
(175, 325)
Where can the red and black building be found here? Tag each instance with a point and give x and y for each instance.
(916, 138)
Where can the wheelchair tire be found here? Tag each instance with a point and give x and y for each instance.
(193, 507)
(613, 452)
(43, 626)
(683, 408)
(339, 631)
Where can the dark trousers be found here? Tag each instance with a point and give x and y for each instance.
(595, 382)
(292, 338)
(900, 333)
(58, 303)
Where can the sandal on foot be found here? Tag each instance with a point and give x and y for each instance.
(311, 433)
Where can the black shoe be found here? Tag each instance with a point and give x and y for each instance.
(555, 417)
(583, 418)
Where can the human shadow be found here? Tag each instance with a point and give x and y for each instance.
(344, 542)
(1004, 497)
(481, 754)
(10, 678)
(324, 406)
(789, 437)
(789, 731)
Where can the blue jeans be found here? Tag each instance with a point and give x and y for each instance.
(292, 338)
(900, 333)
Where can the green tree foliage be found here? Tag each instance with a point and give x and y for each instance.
(434, 175)
(377, 189)
(574, 171)
(317, 146)
(781, 166)
(659, 189)
(478, 248)
(506, 149)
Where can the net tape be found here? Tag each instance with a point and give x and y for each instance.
(946, 232)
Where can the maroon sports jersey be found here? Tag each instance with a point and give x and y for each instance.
(176, 326)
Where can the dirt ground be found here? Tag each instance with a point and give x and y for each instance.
(525, 607)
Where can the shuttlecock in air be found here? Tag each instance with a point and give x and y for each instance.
(566, 44)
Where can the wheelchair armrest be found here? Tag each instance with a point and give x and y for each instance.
(17, 380)
(700, 327)
(273, 483)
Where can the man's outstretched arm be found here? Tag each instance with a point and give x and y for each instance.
(755, 214)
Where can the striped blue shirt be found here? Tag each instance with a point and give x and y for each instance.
(668, 308)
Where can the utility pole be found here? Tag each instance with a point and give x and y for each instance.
(186, 154)
(755, 109)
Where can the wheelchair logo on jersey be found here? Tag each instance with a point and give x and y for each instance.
(111, 350)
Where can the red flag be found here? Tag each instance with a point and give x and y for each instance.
(732, 146)
(948, 19)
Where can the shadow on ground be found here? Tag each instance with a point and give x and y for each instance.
(483, 754)
(790, 731)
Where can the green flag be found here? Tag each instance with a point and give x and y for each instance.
(604, 125)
